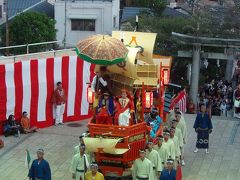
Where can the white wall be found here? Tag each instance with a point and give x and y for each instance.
(2, 19)
(115, 13)
(103, 12)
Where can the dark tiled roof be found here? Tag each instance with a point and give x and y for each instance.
(129, 12)
(174, 12)
(18, 6)
(44, 7)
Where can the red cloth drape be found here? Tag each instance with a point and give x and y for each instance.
(179, 173)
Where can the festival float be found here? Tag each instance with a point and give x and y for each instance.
(129, 62)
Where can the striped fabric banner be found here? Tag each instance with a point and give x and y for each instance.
(28, 86)
(181, 100)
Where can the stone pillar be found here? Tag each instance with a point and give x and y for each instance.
(189, 72)
(229, 67)
(195, 73)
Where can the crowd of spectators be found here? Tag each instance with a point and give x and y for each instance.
(217, 95)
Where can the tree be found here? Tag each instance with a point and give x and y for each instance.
(209, 22)
(237, 3)
(215, 22)
(230, 28)
(158, 6)
(201, 25)
(141, 3)
(165, 44)
(31, 27)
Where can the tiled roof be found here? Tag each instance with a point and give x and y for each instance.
(174, 12)
(44, 7)
(17, 6)
(129, 12)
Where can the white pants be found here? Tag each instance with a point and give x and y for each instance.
(155, 174)
(182, 152)
(224, 113)
(80, 174)
(123, 119)
(59, 113)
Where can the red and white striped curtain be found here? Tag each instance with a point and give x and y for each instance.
(181, 100)
(28, 86)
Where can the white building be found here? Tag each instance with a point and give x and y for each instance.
(85, 18)
(2, 13)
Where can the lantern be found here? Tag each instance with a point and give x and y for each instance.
(148, 99)
(90, 96)
(165, 76)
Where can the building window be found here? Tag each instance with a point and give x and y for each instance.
(83, 24)
(114, 22)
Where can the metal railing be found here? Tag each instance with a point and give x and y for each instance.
(29, 45)
(38, 55)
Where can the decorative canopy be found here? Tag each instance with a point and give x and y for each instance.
(125, 69)
(102, 50)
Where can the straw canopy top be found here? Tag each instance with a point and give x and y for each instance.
(102, 50)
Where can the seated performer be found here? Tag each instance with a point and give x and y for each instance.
(154, 121)
(11, 127)
(105, 109)
(100, 84)
(25, 123)
(124, 106)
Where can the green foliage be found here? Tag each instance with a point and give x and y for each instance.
(237, 3)
(230, 28)
(208, 22)
(212, 70)
(31, 27)
(141, 3)
(216, 23)
(192, 3)
(165, 44)
(179, 71)
(201, 25)
(158, 6)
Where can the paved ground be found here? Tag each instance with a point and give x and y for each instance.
(58, 143)
(222, 163)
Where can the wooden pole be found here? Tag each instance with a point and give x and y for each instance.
(65, 23)
(143, 102)
(161, 103)
(7, 29)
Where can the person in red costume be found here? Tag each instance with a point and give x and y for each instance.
(124, 108)
(105, 110)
